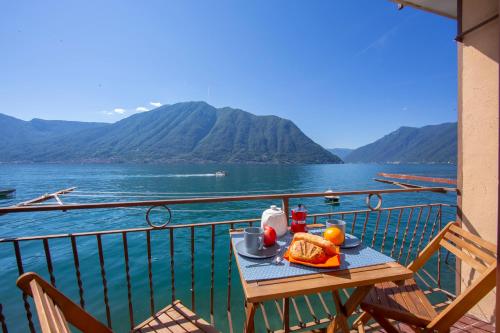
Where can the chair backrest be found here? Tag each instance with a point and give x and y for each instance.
(55, 310)
(472, 250)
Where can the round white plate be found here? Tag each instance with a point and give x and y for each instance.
(266, 252)
(350, 242)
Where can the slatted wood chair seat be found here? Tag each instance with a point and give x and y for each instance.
(405, 300)
(406, 303)
(55, 311)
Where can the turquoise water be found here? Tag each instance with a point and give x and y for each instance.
(98, 183)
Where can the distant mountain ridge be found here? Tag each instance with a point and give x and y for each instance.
(340, 152)
(14, 131)
(428, 144)
(182, 132)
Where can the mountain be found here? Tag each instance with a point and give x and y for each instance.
(182, 132)
(340, 152)
(428, 144)
(16, 131)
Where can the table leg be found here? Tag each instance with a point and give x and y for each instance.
(340, 320)
(344, 311)
(250, 314)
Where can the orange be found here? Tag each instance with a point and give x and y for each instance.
(334, 235)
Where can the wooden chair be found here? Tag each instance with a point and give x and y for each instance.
(406, 303)
(55, 311)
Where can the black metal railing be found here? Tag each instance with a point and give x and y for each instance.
(123, 276)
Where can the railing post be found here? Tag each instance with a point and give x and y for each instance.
(439, 249)
(20, 269)
(193, 300)
(150, 273)
(403, 240)
(387, 222)
(127, 276)
(212, 277)
(286, 209)
(172, 272)
(48, 258)
(76, 262)
(395, 241)
(104, 280)
(229, 267)
(2, 320)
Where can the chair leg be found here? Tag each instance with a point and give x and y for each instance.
(362, 320)
(386, 325)
(361, 327)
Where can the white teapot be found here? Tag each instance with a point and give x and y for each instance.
(275, 218)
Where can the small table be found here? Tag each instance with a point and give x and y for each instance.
(362, 279)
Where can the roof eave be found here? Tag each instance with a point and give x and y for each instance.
(427, 8)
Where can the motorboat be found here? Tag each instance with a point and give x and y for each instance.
(6, 193)
(330, 198)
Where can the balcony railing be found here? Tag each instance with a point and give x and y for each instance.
(123, 276)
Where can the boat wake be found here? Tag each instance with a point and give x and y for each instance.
(180, 175)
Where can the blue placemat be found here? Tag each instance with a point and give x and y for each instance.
(262, 269)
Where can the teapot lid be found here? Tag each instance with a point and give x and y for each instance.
(274, 207)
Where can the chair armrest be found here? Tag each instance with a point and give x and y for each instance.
(74, 314)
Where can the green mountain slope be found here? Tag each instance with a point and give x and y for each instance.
(183, 132)
(428, 144)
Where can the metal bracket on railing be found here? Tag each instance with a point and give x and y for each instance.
(368, 201)
(155, 226)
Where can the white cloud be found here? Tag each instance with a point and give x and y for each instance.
(107, 113)
(141, 109)
(119, 110)
(155, 104)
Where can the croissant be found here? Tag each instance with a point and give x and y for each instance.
(327, 246)
(308, 252)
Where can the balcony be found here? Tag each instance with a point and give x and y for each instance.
(124, 276)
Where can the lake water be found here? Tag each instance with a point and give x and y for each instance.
(99, 183)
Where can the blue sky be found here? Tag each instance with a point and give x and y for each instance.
(346, 72)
